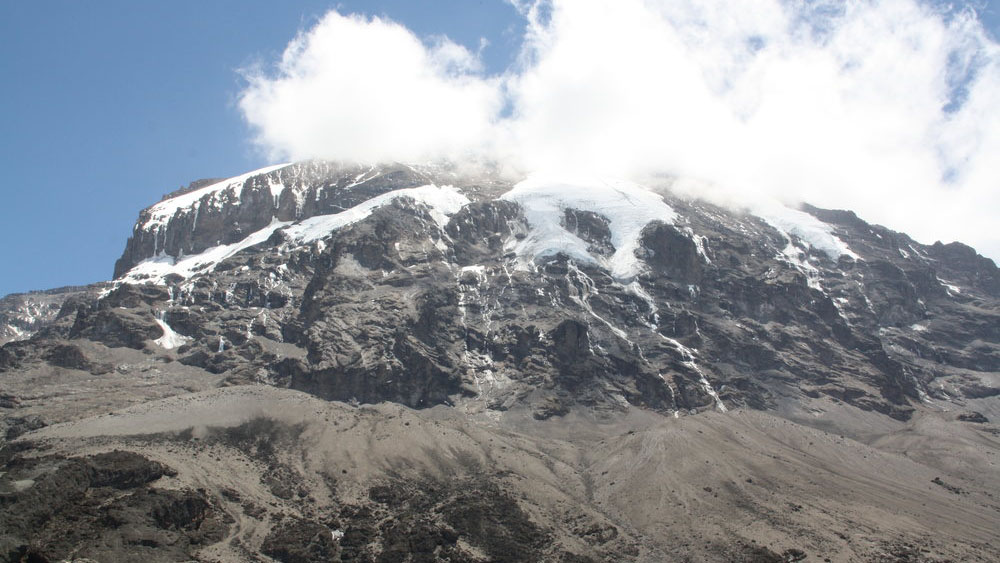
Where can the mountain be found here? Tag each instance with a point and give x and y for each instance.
(319, 361)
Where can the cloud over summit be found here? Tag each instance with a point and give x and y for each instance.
(354, 88)
(888, 108)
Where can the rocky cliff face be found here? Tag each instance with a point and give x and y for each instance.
(553, 296)
(24, 314)
(534, 301)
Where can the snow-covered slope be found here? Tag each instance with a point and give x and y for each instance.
(440, 202)
(628, 208)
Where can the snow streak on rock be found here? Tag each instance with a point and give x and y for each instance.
(811, 230)
(170, 338)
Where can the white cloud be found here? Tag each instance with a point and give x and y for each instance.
(360, 89)
(887, 108)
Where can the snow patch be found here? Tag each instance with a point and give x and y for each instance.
(798, 259)
(950, 287)
(170, 339)
(276, 189)
(443, 201)
(627, 206)
(812, 231)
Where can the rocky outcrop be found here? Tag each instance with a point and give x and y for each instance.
(101, 507)
(22, 315)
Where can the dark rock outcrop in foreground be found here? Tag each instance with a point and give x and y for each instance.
(99, 507)
(324, 362)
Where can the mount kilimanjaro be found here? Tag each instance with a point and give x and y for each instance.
(329, 362)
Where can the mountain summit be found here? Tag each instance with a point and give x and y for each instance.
(319, 361)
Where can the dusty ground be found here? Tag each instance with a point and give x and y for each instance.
(281, 468)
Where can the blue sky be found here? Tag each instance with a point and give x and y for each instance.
(107, 105)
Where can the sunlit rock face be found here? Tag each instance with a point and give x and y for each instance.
(424, 286)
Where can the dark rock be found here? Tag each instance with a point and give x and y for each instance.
(974, 417)
(18, 425)
(102, 507)
(434, 517)
(300, 541)
(975, 390)
(131, 296)
(71, 356)
(591, 228)
(672, 253)
(571, 341)
(117, 327)
(124, 470)
(950, 488)
(552, 406)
